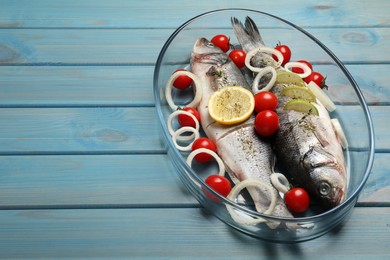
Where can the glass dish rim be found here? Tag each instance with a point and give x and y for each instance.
(194, 176)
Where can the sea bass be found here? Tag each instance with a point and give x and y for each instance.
(244, 154)
(306, 145)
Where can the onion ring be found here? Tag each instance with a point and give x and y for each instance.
(321, 96)
(172, 132)
(253, 52)
(212, 153)
(179, 131)
(237, 189)
(197, 89)
(280, 182)
(270, 84)
(294, 64)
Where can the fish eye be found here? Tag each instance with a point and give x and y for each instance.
(324, 188)
(210, 44)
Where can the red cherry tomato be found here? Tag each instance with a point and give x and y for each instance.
(218, 183)
(185, 120)
(238, 57)
(203, 142)
(266, 123)
(299, 70)
(317, 78)
(297, 200)
(221, 41)
(265, 101)
(286, 52)
(182, 82)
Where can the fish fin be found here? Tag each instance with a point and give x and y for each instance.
(248, 33)
(252, 30)
(321, 138)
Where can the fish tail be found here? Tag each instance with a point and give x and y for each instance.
(247, 34)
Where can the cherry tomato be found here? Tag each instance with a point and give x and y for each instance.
(265, 101)
(299, 70)
(185, 120)
(218, 183)
(266, 123)
(317, 78)
(221, 41)
(297, 200)
(238, 57)
(182, 82)
(286, 52)
(203, 142)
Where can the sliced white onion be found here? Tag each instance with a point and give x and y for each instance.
(194, 153)
(170, 127)
(253, 52)
(178, 132)
(294, 64)
(340, 133)
(271, 83)
(321, 96)
(244, 219)
(280, 182)
(198, 90)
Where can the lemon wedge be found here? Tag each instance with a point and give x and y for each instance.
(301, 105)
(231, 105)
(287, 77)
(298, 92)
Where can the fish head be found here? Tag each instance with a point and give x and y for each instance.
(205, 51)
(329, 186)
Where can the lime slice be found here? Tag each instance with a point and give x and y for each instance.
(287, 77)
(298, 92)
(231, 105)
(301, 105)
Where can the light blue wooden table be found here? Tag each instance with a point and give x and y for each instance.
(83, 173)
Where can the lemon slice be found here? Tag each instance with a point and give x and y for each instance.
(298, 92)
(301, 105)
(287, 77)
(231, 105)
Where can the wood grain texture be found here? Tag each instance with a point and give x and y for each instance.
(84, 172)
(91, 181)
(101, 181)
(174, 233)
(76, 86)
(54, 47)
(79, 130)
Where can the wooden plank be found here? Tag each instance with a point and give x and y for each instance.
(91, 180)
(122, 181)
(133, 85)
(76, 86)
(53, 47)
(119, 13)
(126, 130)
(174, 233)
(79, 130)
